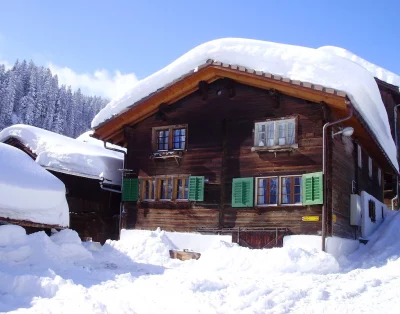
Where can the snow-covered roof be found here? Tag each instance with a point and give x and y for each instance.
(375, 70)
(317, 66)
(29, 192)
(76, 156)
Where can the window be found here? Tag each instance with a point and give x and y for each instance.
(275, 133)
(182, 188)
(179, 138)
(283, 190)
(370, 167)
(379, 176)
(359, 156)
(172, 188)
(371, 210)
(162, 139)
(147, 189)
(169, 138)
(267, 191)
(164, 191)
(290, 190)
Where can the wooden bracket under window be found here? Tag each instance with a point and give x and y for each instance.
(177, 155)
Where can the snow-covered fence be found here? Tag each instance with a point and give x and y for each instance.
(372, 214)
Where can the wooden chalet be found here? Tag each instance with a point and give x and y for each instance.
(226, 149)
(94, 206)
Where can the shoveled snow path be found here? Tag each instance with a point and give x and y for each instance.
(138, 277)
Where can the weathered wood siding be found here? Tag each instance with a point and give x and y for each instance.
(94, 213)
(342, 170)
(220, 137)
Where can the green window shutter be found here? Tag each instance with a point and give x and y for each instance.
(242, 192)
(196, 188)
(312, 188)
(130, 192)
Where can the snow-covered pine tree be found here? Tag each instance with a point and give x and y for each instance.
(30, 94)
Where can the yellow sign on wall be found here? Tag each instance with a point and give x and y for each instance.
(310, 218)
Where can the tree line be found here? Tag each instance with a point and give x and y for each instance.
(30, 94)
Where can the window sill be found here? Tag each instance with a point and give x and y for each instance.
(275, 149)
(167, 154)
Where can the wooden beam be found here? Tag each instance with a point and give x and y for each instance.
(187, 85)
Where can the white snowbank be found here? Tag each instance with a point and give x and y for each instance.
(338, 247)
(298, 63)
(67, 154)
(376, 71)
(136, 275)
(181, 240)
(29, 192)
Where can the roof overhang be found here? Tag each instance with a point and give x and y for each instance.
(112, 130)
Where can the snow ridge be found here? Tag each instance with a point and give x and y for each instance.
(316, 66)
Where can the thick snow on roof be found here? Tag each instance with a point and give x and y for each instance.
(376, 71)
(316, 66)
(67, 154)
(29, 192)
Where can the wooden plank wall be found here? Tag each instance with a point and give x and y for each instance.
(94, 213)
(343, 169)
(209, 123)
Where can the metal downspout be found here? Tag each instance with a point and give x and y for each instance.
(395, 141)
(122, 182)
(324, 209)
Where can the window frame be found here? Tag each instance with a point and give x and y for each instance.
(170, 129)
(175, 190)
(370, 167)
(379, 176)
(157, 188)
(256, 191)
(276, 122)
(292, 195)
(142, 190)
(279, 191)
(359, 156)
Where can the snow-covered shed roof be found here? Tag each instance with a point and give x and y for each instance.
(28, 192)
(314, 67)
(63, 154)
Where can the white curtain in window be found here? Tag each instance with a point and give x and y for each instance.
(285, 190)
(261, 135)
(282, 133)
(270, 134)
(291, 134)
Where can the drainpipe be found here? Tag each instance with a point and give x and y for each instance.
(324, 208)
(122, 182)
(395, 141)
(108, 189)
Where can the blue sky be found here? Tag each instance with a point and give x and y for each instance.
(141, 37)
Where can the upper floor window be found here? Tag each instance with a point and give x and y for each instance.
(275, 133)
(170, 138)
(370, 167)
(359, 156)
(379, 176)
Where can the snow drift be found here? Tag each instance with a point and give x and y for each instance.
(57, 274)
(317, 66)
(62, 153)
(29, 192)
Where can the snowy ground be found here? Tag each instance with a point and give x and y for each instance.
(39, 274)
